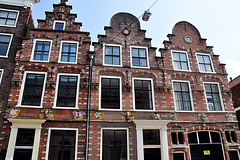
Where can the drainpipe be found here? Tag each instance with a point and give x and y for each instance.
(88, 103)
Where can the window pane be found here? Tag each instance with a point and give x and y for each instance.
(208, 68)
(108, 60)
(200, 58)
(233, 155)
(180, 138)
(203, 137)
(3, 21)
(108, 51)
(25, 137)
(116, 51)
(116, 61)
(136, 62)
(21, 154)
(5, 39)
(183, 57)
(3, 49)
(12, 15)
(151, 137)
(135, 52)
(184, 66)
(73, 48)
(215, 137)
(206, 59)
(10, 22)
(176, 56)
(152, 154)
(192, 138)
(228, 136)
(59, 26)
(3, 14)
(174, 138)
(178, 156)
(234, 136)
(142, 53)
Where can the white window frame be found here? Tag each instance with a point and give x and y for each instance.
(9, 44)
(180, 152)
(120, 56)
(190, 95)
(178, 145)
(139, 47)
(212, 66)
(24, 123)
(49, 136)
(1, 75)
(188, 63)
(152, 124)
(120, 88)
(105, 128)
(34, 46)
(57, 86)
(23, 86)
(220, 96)
(153, 96)
(60, 53)
(236, 151)
(64, 24)
(9, 10)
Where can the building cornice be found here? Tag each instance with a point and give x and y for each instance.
(24, 3)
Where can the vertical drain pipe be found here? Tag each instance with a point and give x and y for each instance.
(88, 103)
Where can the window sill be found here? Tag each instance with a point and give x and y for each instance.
(25, 106)
(179, 146)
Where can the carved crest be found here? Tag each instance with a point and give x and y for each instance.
(78, 114)
(156, 116)
(13, 111)
(97, 115)
(46, 113)
(128, 116)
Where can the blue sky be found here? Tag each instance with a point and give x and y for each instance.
(217, 20)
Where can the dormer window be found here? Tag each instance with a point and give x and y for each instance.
(59, 25)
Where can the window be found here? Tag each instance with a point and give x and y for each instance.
(5, 42)
(69, 52)
(180, 61)
(231, 136)
(234, 155)
(41, 50)
(24, 144)
(62, 144)
(177, 138)
(213, 97)
(67, 91)
(1, 75)
(143, 94)
(114, 144)
(33, 89)
(110, 93)
(24, 139)
(151, 144)
(112, 55)
(59, 25)
(204, 63)
(182, 96)
(205, 145)
(8, 18)
(139, 57)
(178, 156)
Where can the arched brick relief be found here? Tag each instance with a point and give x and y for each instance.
(111, 72)
(144, 74)
(204, 127)
(177, 127)
(68, 68)
(34, 67)
(210, 78)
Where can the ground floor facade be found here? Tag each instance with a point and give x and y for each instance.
(46, 139)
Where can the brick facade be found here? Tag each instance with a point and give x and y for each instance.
(133, 92)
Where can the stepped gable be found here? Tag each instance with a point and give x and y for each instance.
(61, 12)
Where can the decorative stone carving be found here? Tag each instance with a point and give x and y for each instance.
(172, 116)
(94, 86)
(229, 117)
(128, 116)
(13, 111)
(51, 84)
(16, 81)
(97, 115)
(46, 113)
(127, 87)
(202, 117)
(156, 116)
(78, 114)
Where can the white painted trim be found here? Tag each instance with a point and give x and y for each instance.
(57, 86)
(190, 95)
(105, 128)
(237, 108)
(24, 123)
(120, 91)
(1, 75)
(9, 44)
(60, 52)
(23, 86)
(22, 3)
(220, 96)
(56, 21)
(139, 47)
(212, 66)
(152, 124)
(189, 66)
(33, 49)
(49, 136)
(9, 10)
(152, 88)
(104, 51)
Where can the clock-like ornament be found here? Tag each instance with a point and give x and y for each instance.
(188, 39)
(126, 31)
